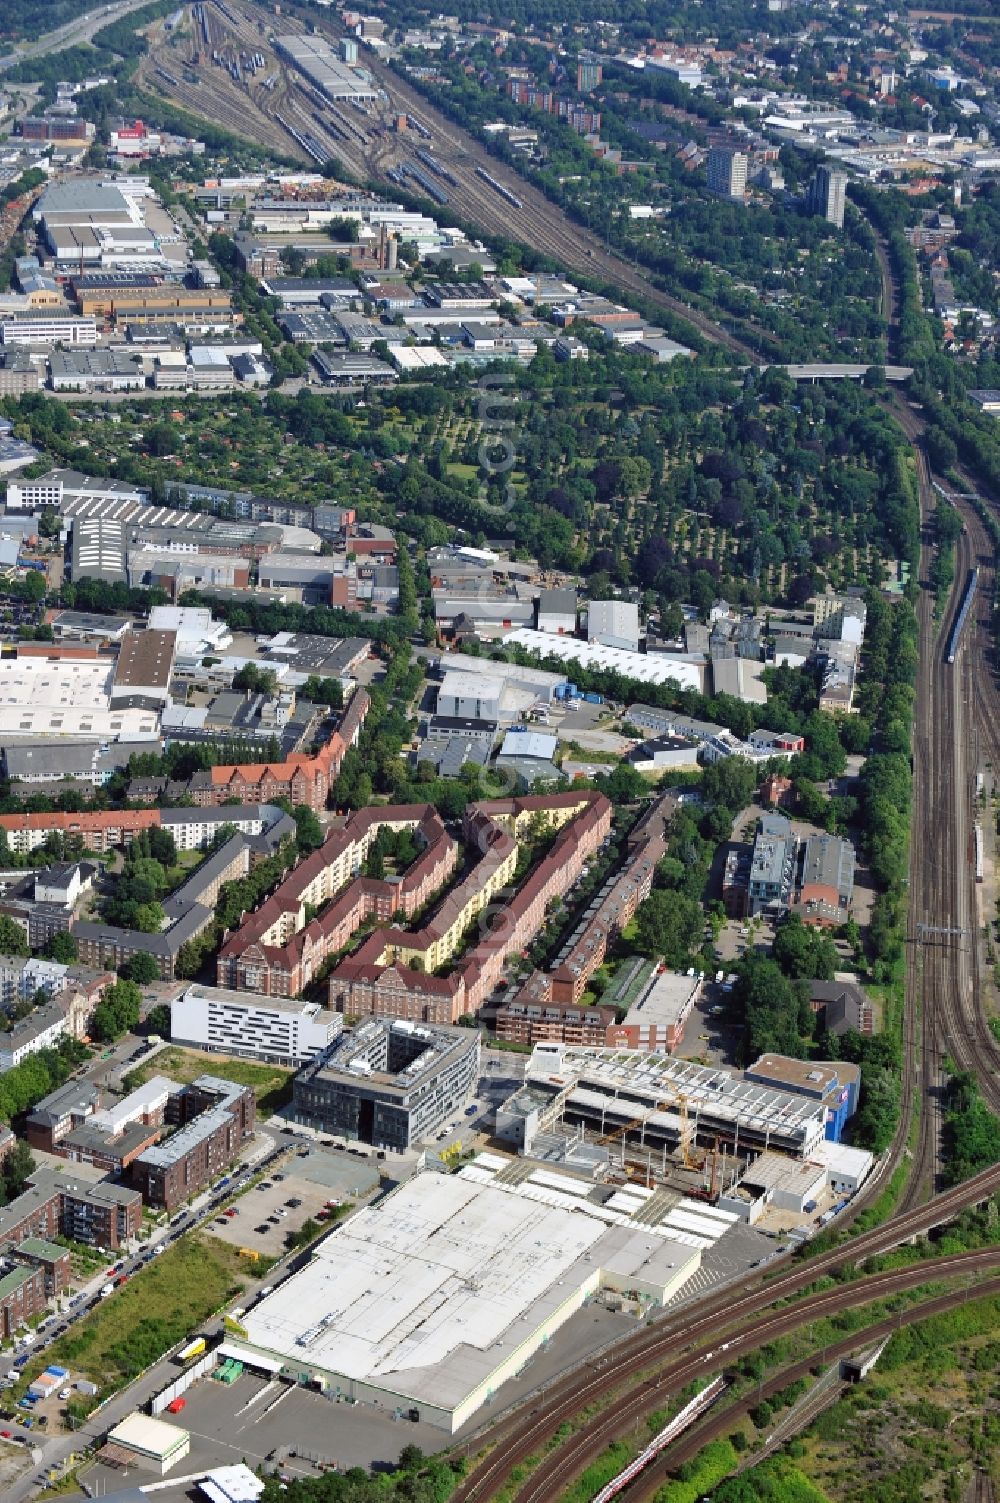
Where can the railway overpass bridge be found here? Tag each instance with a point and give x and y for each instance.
(835, 372)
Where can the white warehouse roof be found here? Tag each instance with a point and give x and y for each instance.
(519, 743)
(654, 668)
(442, 1291)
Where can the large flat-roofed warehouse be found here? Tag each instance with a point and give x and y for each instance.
(429, 1301)
(143, 670)
(391, 1083)
(63, 697)
(658, 1101)
(316, 59)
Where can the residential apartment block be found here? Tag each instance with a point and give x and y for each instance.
(392, 973)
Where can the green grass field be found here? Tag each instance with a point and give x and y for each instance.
(164, 1302)
(272, 1085)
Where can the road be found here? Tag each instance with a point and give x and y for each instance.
(73, 33)
(942, 979)
(56, 1449)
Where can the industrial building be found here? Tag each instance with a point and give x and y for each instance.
(650, 668)
(143, 669)
(656, 1019)
(613, 623)
(389, 1082)
(555, 612)
(149, 1444)
(315, 58)
(428, 1302)
(520, 689)
(660, 1103)
(833, 1082)
(529, 756)
(773, 1180)
(98, 549)
(284, 1031)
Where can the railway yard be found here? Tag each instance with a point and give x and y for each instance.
(225, 66)
(957, 717)
(232, 63)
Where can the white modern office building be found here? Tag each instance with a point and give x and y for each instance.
(282, 1031)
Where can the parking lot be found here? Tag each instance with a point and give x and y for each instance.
(259, 1418)
(267, 1207)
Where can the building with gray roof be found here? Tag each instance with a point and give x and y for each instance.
(388, 1082)
(216, 1118)
(773, 865)
(98, 550)
(614, 623)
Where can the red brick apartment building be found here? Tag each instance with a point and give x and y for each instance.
(380, 979)
(528, 1022)
(276, 952)
(546, 1008)
(215, 1117)
(56, 1202)
(303, 780)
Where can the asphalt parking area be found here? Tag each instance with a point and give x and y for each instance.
(266, 1206)
(257, 1416)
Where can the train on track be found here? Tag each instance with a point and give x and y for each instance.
(424, 181)
(680, 1422)
(499, 187)
(968, 596)
(305, 139)
(433, 165)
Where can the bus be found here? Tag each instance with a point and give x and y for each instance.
(192, 1350)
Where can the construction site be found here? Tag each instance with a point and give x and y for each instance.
(644, 1118)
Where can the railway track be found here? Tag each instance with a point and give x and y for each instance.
(721, 1421)
(939, 974)
(951, 701)
(538, 222)
(553, 1473)
(983, 1490)
(729, 1316)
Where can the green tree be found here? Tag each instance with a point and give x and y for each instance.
(158, 1019)
(669, 924)
(13, 940)
(140, 968)
(62, 947)
(804, 952)
(117, 1012)
(308, 830)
